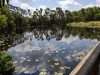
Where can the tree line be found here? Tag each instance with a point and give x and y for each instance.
(14, 19)
(59, 16)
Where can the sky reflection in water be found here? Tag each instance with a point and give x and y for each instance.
(36, 57)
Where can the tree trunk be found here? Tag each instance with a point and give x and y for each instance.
(3, 2)
(0, 4)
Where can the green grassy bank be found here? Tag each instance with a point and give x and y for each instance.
(92, 24)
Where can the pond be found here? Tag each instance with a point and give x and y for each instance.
(49, 51)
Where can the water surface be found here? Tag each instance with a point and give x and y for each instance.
(52, 51)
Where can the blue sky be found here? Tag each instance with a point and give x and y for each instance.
(65, 4)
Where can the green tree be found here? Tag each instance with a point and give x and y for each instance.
(68, 16)
(97, 16)
(5, 11)
(82, 14)
(76, 16)
(3, 21)
(11, 24)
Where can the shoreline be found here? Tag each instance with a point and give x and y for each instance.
(91, 24)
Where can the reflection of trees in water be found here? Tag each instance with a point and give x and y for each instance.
(6, 41)
(87, 33)
(45, 33)
(58, 33)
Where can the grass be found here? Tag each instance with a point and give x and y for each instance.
(92, 24)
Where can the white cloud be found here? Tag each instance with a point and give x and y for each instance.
(26, 1)
(15, 3)
(24, 4)
(54, 8)
(26, 7)
(91, 5)
(66, 3)
(42, 6)
(29, 4)
(69, 39)
(98, 1)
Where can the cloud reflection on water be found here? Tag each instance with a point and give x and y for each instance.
(55, 57)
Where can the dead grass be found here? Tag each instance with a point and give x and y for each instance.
(92, 24)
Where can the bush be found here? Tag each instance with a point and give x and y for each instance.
(6, 64)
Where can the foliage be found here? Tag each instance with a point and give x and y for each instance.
(16, 20)
(5, 63)
(59, 16)
(47, 17)
(88, 14)
(3, 21)
(11, 23)
(2, 2)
